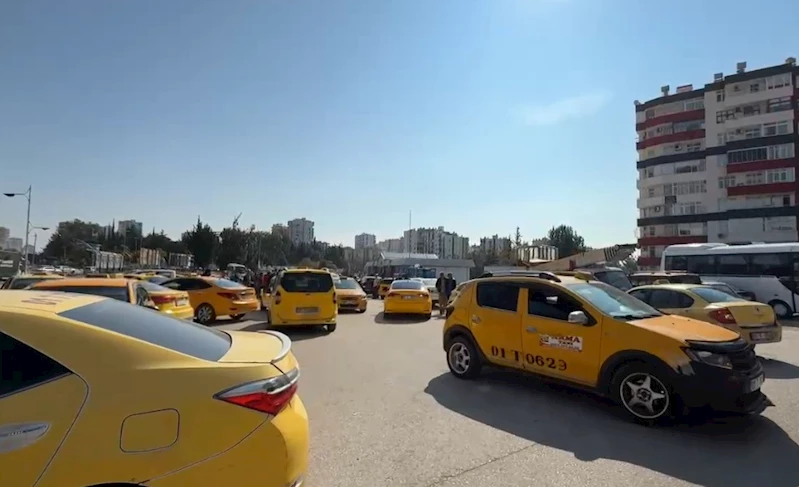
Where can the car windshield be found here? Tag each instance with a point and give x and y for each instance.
(713, 295)
(617, 279)
(613, 301)
(224, 283)
(415, 285)
(346, 284)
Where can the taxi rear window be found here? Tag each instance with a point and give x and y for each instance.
(414, 285)
(153, 327)
(228, 284)
(306, 282)
(23, 282)
(118, 293)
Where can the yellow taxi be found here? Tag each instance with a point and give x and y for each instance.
(383, 286)
(26, 280)
(302, 297)
(212, 297)
(597, 337)
(755, 322)
(126, 290)
(350, 295)
(199, 407)
(407, 296)
(170, 301)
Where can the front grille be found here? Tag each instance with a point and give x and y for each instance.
(744, 360)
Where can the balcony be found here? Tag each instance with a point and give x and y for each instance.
(761, 165)
(676, 137)
(769, 188)
(671, 118)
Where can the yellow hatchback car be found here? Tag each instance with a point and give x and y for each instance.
(350, 295)
(302, 297)
(755, 322)
(212, 297)
(95, 392)
(408, 297)
(597, 337)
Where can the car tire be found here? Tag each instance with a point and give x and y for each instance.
(428, 316)
(331, 327)
(644, 394)
(237, 317)
(781, 309)
(463, 359)
(205, 314)
(361, 311)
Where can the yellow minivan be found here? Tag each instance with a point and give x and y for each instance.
(597, 337)
(302, 297)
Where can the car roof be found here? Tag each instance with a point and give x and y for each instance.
(303, 271)
(521, 278)
(43, 301)
(673, 286)
(85, 282)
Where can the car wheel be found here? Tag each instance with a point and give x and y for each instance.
(361, 311)
(331, 327)
(428, 315)
(463, 359)
(204, 314)
(644, 393)
(781, 309)
(237, 317)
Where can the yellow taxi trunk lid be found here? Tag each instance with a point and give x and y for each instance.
(260, 347)
(681, 328)
(747, 313)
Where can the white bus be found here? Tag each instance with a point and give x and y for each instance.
(770, 271)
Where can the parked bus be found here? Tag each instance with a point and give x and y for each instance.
(769, 271)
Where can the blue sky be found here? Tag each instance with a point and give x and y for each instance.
(478, 115)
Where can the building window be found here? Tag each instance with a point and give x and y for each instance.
(754, 87)
(651, 192)
(755, 178)
(778, 81)
(697, 104)
(775, 128)
(779, 104)
(720, 96)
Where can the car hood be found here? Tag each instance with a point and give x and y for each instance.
(682, 329)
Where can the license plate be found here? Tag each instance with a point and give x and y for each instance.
(182, 302)
(407, 297)
(756, 383)
(759, 336)
(307, 311)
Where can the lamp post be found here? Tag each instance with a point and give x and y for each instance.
(35, 239)
(27, 196)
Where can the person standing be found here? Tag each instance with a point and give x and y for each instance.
(442, 290)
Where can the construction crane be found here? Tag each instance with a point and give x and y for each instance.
(236, 221)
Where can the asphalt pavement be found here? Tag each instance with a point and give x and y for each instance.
(385, 411)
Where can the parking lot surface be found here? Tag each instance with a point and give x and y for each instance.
(385, 411)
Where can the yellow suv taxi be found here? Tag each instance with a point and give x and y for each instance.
(592, 335)
(303, 297)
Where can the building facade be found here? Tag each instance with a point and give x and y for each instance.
(301, 231)
(495, 245)
(365, 241)
(718, 164)
(15, 244)
(392, 245)
(5, 233)
(124, 225)
(444, 244)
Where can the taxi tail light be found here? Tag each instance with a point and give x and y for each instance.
(229, 295)
(268, 396)
(723, 316)
(423, 295)
(391, 295)
(162, 299)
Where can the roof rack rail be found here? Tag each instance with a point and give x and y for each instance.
(539, 274)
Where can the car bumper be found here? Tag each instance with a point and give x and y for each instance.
(274, 455)
(303, 321)
(408, 307)
(359, 305)
(239, 307)
(181, 313)
(750, 334)
(723, 390)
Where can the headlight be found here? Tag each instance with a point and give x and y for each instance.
(710, 358)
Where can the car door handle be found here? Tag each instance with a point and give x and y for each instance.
(476, 319)
(532, 329)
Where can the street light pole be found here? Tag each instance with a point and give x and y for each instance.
(27, 196)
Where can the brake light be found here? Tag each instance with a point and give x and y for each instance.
(229, 295)
(268, 396)
(723, 316)
(162, 299)
(277, 297)
(423, 295)
(391, 295)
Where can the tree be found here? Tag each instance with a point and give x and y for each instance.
(202, 242)
(566, 240)
(232, 247)
(517, 239)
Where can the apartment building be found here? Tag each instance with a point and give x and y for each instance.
(444, 244)
(14, 243)
(365, 241)
(391, 245)
(301, 231)
(123, 226)
(495, 244)
(718, 163)
(5, 233)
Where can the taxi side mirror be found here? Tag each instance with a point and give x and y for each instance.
(578, 318)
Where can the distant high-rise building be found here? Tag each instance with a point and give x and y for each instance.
(280, 229)
(391, 245)
(444, 244)
(365, 240)
(301, 231)
(14, 243)
(124, 225)
(4, 234)
(495, 244)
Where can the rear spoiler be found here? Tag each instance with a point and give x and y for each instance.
(285, 345)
